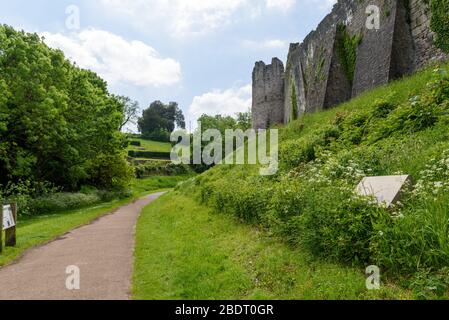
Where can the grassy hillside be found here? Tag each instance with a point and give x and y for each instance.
(185, 251)
(152, 146)
(402, 128)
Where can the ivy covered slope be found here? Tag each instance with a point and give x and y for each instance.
(402, 128)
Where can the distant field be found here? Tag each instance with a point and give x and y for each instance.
(153, 146)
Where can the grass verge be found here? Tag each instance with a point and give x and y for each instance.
(186, 251)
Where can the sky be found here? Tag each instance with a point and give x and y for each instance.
(199, 53)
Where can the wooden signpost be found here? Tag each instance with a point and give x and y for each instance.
(8, 217)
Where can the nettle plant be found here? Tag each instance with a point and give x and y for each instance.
(434, 178)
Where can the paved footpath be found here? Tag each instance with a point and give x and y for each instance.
(103, 251)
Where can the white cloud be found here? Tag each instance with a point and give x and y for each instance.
(190, 17)
(280, 4)
(116, 59)
(227, 102)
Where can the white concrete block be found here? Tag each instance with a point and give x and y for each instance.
(386, 189)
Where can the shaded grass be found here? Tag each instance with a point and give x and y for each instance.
(186, 251)
(41, 229)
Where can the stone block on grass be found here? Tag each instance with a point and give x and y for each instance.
(385, 189)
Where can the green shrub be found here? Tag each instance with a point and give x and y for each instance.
(295, 152)
(356, 127)
(251, 202)
(161, 168)
(416, 236)
(136, 143)
(110, 172)
(63, 201)
(149, 155)
(23, 193)
(334, 224)
(160, 135)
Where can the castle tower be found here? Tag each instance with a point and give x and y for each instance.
(360, 45)
(268, 94)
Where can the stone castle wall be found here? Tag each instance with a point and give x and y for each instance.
(314, 71)
(423, 37)
(268, 94)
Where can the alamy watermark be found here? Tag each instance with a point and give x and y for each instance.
(73, 20)
(236, 147)
(373, 278)
(73, 281)
(373, 20)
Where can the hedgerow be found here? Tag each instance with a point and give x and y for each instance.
(160, 168)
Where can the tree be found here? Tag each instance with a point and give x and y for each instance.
(219, 122)
(244, 120)
(130, 110)
(56, 120)
(159, 120)
(179, 117)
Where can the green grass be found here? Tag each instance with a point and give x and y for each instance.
(149, 145)
(400, 128)
(186, 251)
(44, 228)
(146, 185)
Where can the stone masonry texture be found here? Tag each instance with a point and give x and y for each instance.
(403, 44)
(268, 94)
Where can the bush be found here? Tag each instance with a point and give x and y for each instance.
(149, 155)
(136, 143)
(246, 200)
(295, 152)
(63, 201)
(23, 193)
(160, 168)
(110, 172)
(161, 135)
(338, 226)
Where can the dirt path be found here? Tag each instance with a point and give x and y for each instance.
(103, 252)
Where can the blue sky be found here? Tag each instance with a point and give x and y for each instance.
(199, 53)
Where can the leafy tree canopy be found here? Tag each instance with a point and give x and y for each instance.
(56, 120)
(159, 120)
